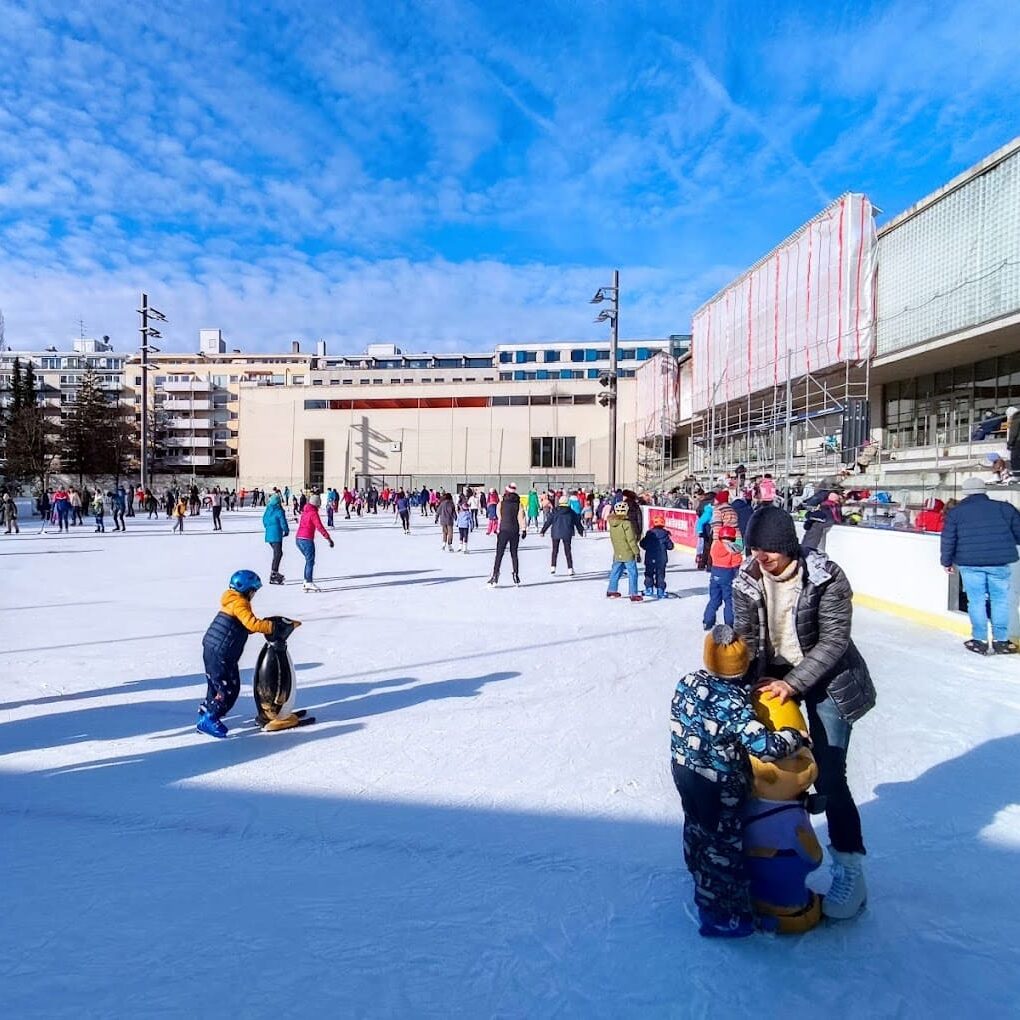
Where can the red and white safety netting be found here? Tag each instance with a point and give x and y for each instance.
(805, 307)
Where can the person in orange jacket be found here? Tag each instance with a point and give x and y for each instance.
(727, 555)
(222, 646)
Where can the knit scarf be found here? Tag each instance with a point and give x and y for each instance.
(782, 592)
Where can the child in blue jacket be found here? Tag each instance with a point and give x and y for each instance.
(465, 522)
(222, 646)
(713, 729)
(656, 543)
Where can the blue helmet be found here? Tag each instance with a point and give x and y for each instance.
(247, 582)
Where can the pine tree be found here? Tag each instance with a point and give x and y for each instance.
(83, 427)
(30, 445)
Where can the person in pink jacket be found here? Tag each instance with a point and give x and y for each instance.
(309, 524)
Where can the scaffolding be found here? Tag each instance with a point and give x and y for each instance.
(809, 427)
(781, 356)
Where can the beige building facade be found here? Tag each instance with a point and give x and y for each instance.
(437, 434)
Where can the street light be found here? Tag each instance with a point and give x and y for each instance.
(608, 379)
(148, 333)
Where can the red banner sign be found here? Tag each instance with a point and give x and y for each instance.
(681, 524)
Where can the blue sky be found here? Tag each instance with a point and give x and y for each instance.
(450, 174)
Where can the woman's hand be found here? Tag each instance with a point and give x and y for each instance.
(778, 689)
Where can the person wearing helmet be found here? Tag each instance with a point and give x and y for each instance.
(222, 646)
(625, 552)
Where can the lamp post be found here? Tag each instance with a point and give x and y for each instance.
(148, 333)
(608, 379)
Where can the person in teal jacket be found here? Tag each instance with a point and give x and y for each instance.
(274, 520)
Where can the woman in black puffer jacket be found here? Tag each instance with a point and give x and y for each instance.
(795, 613)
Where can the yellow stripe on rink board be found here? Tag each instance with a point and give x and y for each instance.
(922, 616)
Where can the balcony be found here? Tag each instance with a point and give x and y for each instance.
(189, 386)
(189, 424)
(189, 442)
(171, 404)
(187, 460)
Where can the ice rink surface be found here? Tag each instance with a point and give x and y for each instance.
(481, 824)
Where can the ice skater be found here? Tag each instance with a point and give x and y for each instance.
(713, 730)
(309, 524)
(513, 523)
(656, 543)
(626, 553)
(222, 646)
(563, 522)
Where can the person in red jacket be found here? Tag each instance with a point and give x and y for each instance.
(309, 524)
(727, 556)
(931, 517)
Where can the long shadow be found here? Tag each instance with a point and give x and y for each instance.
(50, 552)
(420, 909)
(136, 718)
(163, 683)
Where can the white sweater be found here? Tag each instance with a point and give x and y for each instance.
(781, 596)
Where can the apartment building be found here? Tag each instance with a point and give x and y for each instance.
(194, 400)
(59, 373)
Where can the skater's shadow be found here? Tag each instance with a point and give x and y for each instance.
(163, 683)
(356, 701)
(583, 907)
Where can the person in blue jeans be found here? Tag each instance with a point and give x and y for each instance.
(980, 538)
(626, 553)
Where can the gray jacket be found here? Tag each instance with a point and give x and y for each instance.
(832, 665)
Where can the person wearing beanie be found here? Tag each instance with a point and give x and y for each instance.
(795, 609)
(979, 538)
(626, 552)
(713, 730)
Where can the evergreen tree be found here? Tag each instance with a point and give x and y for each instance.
(84, 426)
(29, 440)
(119, 441)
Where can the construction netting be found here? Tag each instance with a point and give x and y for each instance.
(805, 307)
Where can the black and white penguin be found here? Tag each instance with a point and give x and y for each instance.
(274, 682)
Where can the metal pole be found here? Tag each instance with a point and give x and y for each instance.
(789, 426)
(145, 392)
(613, 348)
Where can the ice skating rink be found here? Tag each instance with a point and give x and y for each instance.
(482, 823)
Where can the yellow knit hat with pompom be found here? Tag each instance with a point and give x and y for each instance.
(726, 653)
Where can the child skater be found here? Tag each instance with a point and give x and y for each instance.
(726, 555)
(222, 646)
(714, 729)
(465, 522)
(180, 512)
(656, 543)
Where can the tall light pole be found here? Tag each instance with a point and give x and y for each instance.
(148, 333)
(608, 379)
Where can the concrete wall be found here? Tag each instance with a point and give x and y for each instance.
(431, 445)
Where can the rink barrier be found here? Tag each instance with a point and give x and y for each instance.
(893, 572)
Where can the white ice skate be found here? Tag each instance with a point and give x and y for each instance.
(552, 570)
(570, 572)
(848, 894)
(311, 586)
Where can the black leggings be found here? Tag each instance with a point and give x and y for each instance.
(504, 539)
(566, 551)
(277, 548)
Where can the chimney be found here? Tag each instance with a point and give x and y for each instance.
(295, 347)
(320, 349)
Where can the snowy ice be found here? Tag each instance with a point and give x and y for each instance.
(482, 821)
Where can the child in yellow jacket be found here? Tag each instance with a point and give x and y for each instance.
(180, 512)
(222, 646)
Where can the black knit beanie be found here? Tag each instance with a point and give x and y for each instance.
(771, 530)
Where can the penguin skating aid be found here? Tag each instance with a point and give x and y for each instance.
(274, 682)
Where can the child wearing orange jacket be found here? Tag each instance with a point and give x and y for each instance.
(727, 556)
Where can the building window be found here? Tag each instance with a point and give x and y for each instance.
(553, 451)
(316, 382)
(456, 379)
(394, 382)
(584, 398)
(506, 357)
(378, 382)
(138, 380)
(624, 355)
(551, 356)
(315, 462)
(577, 354)
(505, 376)
(519, 375)
(566, 373)
(542, 373)
(524, 357)
(348, 382)
(643, 353)
(426, 380)
(594, 373)
(500, 401)
(316, 405)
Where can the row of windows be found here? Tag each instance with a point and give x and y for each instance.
(519, 375)
(578, 354)
(427, 403)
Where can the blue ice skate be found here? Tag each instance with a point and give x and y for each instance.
(715, 925)
(661, 593)
(649, 592)
(212, 726)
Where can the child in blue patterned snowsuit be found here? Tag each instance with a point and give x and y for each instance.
(713, 729)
